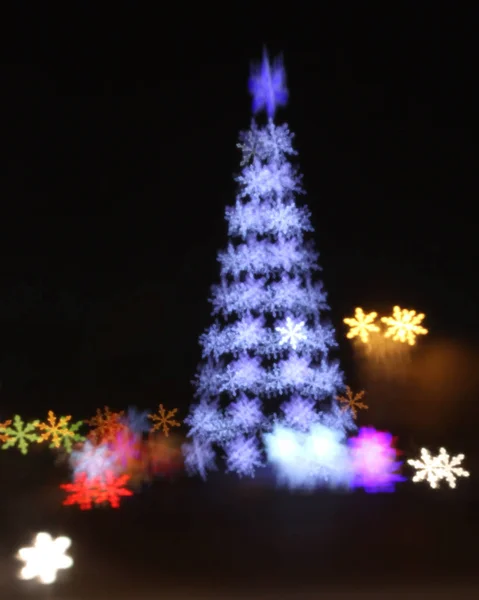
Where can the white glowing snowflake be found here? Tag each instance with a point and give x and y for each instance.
(291, 333)
(435, 468)
(93, 460)
(45, 558)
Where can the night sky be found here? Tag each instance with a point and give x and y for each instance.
(119, 138)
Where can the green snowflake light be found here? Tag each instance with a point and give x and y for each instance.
(19, 434)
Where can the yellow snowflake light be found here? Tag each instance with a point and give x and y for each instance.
(352, 401)
(404, 325)
(59, 431)
(164, 420)
(361, 324)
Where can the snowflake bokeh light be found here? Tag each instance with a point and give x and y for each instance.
(45, 558)
(361, 325)
(93, 460)
(433, 469)
(404, 325)
(291, 333)
(267, 85)
(243, 456)
(374, 461)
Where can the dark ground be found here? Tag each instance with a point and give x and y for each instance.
(233, 539)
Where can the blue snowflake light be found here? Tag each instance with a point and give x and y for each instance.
(199, 457)
(243, 456)
(269, 345)
(267, 85)
(137, 420)
(245, 414)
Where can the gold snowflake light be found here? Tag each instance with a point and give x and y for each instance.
(353, 401)
(361, 325)
(433, 469)
(59, 431)
(404, 325)
(164, 420)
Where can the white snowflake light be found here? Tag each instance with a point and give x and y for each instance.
(435, 468)
(291, 333)
(45, 558)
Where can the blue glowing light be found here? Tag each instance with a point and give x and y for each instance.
(266, 356)
(137, 420)
(267, 85)
(243, 456)
(318, 457)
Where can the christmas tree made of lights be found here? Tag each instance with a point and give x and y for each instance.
(266, 355)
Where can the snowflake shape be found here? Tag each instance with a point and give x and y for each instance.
(105, 425)
(3, 427)
(45, 558)
(82, 491)
(361, 324)
(20, 434)
(248, 144)
(243, 456)
(60, 431)
(112, 489)
(267, 85)
(164, 420)
(245, 413)
(199, 457)
(352, 401)
(85, 492)
(299, 413)
(404, 325)
(291, 333)
(92, 460)
(435, 468)
(208, 423)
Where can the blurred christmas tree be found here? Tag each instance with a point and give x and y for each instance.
(266, 354)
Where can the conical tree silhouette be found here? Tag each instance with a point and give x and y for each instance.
(266, 354)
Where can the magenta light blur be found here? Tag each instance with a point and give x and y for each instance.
(374, 461)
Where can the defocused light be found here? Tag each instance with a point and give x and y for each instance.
(404, 325)
(45, 558)
(361, 325)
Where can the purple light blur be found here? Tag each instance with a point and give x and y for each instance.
(267, 85)
(373, 459)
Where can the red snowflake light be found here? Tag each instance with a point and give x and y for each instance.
(83, 491)
(112, 489)
(100, 490)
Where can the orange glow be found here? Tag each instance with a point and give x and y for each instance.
(105, 425)
(353, 401)
(164, 420)
(4, 437)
